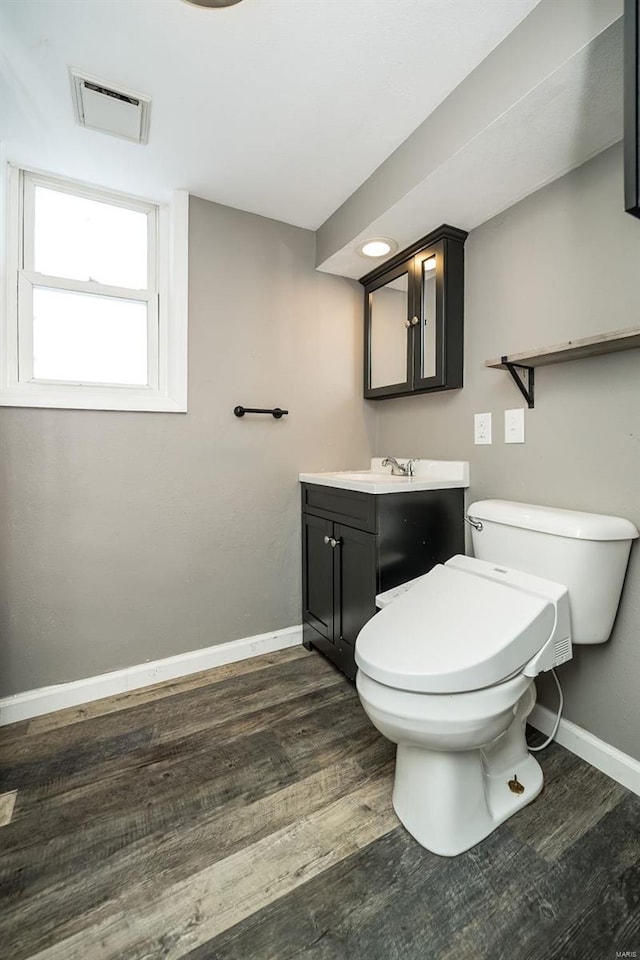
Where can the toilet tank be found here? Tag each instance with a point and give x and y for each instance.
(586, 552)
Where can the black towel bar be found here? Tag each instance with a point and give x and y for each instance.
(276, 412)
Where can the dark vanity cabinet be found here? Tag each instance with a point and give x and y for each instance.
(356, 545)
(414, 318)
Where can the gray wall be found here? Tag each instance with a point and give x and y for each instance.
(133, 536)
(562, 264)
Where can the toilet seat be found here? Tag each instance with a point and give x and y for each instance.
(464, 626)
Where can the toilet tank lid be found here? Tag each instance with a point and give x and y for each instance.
(561, 523)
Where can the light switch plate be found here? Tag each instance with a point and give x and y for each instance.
(514, 425)
(482, 428)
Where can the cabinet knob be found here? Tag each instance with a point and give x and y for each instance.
(332, 542)
(412, 323)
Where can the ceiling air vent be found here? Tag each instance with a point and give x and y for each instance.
(100, 106)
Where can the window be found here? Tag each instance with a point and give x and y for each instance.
(96, 298)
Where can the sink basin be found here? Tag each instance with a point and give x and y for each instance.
(428, 475)
(368, 476)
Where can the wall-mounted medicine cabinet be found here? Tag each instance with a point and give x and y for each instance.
(414, 318)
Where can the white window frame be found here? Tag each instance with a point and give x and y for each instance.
(166, 297)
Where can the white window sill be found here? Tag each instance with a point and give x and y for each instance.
(86, 399)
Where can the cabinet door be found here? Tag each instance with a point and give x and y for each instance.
(354, 584)
(438, 289)
(317, 575)
(388, 301)
(429, 366)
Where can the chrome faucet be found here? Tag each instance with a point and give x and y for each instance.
(399, 469)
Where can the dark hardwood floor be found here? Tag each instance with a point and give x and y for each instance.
(244, 814)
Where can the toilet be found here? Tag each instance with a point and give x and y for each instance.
(446, 669)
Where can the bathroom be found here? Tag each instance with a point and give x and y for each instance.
(133, 537)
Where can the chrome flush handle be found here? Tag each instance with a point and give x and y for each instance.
(474, 523)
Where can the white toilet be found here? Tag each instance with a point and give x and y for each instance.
(446, 670)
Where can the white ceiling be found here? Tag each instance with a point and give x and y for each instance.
(278, 107)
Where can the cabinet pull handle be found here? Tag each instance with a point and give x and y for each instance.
(332, 542)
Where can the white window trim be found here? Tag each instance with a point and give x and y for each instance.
(170, 392)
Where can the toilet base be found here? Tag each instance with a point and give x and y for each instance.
(456, 757)
(450, 801)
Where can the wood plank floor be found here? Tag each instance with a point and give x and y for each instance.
(244, 814)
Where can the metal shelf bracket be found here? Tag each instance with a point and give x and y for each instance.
(525, 390)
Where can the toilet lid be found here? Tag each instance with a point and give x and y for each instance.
(456, 630)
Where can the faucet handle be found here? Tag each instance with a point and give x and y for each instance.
(409, 465)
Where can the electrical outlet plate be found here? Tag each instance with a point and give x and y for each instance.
(482, 428)
(514, 425)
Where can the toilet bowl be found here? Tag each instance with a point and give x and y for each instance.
(446, 671)
(456, 756)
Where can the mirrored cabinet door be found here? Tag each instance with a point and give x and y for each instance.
(428, 357)
(429, 340)
(388, 326)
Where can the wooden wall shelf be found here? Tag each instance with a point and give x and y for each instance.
(524, 363)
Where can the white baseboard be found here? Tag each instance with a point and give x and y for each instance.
(33, 703)
(616, 764)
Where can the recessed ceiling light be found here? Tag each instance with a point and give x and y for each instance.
(213, 3)
(377, 247)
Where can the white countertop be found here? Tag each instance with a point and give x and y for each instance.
(428, 475)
